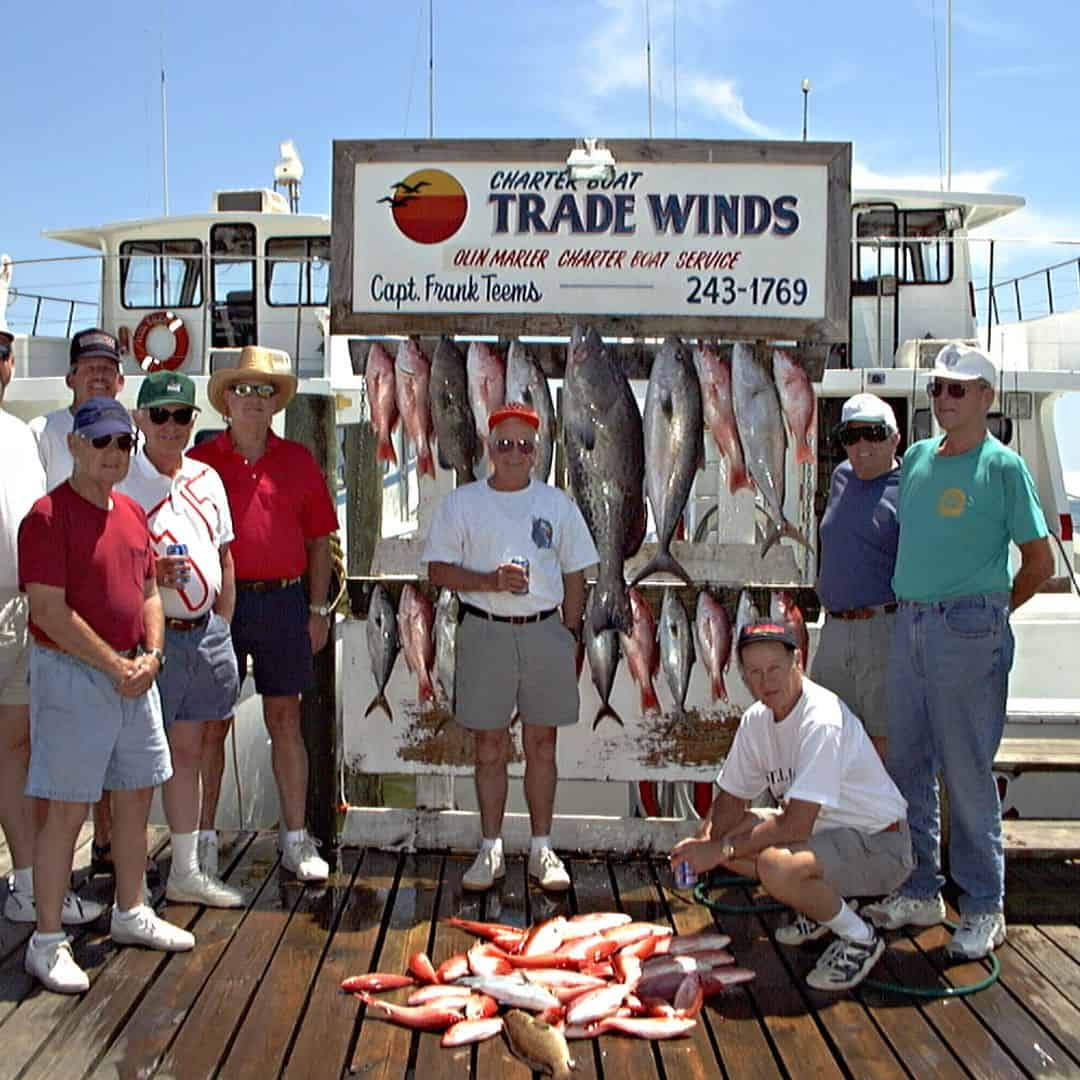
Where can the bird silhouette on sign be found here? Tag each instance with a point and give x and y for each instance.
(395, 203)
(411, 190)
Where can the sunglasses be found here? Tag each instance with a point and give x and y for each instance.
(5, 350)
(262, 390)
(849, 436)
(955, 390)
(182, 416)
(123, 442)
(504, 446)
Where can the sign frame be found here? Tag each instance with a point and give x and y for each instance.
(834, 156)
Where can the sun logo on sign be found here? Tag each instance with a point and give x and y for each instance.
(428, 206)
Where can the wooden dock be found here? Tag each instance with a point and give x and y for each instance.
(259, 994)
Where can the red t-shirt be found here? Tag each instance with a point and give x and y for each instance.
(277, 503)
(102, 560)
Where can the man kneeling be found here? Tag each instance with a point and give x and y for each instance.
(841, 827)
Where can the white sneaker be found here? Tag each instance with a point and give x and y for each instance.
(146, 929)
(302, 858)
(896, 911)
(201, 888)
(208, 855)
(487, 868)
(845, 964)
(54, 967)
(20, 907)
(802, 928)
(548, 871)
(976, 936)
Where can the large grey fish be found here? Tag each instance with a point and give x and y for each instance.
(512, 990)
(540, 1045)
(384, 644)
(674, 448)
(526, 382)
(746, 614)
(451, 413)
(446, 625)
(605, 457)
(603, 652)
(677, 653)
(761, 431)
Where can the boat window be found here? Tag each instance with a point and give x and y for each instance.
(232, 264)
(909, 247)
(298, 271)
(161, 273)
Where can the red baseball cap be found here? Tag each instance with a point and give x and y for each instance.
(514, 410)
(766, 631)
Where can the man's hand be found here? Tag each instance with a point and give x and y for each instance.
(510, 578)
(173, 571)
(142, 672)
(318, 628)
(702, 855)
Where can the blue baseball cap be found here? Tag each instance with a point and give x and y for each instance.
(102, 416)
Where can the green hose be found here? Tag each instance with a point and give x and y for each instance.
(706, 885)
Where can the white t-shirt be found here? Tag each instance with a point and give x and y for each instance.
(51, 432)
(479, 528)
(22, 483)
(189, 508)
(818, 753)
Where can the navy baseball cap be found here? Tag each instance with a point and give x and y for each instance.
(94, 342)
(754, 633)
(102, 416)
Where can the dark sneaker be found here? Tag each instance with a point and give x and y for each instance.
(844, 964)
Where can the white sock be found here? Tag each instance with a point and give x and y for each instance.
(538, 843)
(294, 836)
(847, 924)
(24, 880)
(129, 914)
(491, 845)
(185, 854)
(40, 940)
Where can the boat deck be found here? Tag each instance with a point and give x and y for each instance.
(259, 994)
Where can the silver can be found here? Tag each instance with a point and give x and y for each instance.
(524, 564)
(180, 549)
(685, 878)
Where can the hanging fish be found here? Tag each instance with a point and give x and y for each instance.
(799, 403)
(527, 383)
(603, 652)
(676, 647)
(416, 620)
(383, 646)
(784, 610)
(640, 650)
(714, 636)
(446, 626)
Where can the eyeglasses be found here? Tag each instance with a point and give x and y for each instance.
(954, 389)
(504, 446)
(160, 415)
(123, 442)
(263, 390)
(5, 350)
(849, 436)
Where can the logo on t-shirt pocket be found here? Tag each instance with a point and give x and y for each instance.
(542, 532)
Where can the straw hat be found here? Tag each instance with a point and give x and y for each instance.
(256, 364)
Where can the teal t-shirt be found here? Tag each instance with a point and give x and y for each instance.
(957, 516)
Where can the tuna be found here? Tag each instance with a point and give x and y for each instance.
(605, 458)
(382, 399)
(412, 374)
(451, 413)
(673, 449)
(799, 403)
(416, 619)
(542, 1047)
(714, 374)
(446, 625)
(783, 609)
(487, 385)
(676, 647)
(603, 653)
(761, 430)
(641, 652)
(383, 644)
(527, 383)
(714, 637)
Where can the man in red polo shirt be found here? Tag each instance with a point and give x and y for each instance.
(282, 519)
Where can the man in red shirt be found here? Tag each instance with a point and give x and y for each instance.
(282, 519)
(87, 565)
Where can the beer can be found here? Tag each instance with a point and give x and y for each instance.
(179, 549)
(685, 878)
(524, 564)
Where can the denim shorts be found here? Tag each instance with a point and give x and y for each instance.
(198, 681)
(85, 737)
(272, 629)
(14, 649)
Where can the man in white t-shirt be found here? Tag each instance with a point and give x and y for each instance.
(185, 503)
(515, 550)
(841, 827)
(22, 483)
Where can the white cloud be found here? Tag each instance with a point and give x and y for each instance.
(863, 176)
(719, 96)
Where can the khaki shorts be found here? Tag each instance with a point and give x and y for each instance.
(851, 660)
(858, 863)
(501, 665)
(14, 649)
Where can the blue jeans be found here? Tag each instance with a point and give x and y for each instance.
(947, 689)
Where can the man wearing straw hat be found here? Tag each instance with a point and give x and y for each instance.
(282, 520)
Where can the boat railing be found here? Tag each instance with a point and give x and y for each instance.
(43, 320)
(1049, 290)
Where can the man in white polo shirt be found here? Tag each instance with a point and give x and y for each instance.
(186, 504)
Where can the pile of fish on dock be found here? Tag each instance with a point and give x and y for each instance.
(616, 460)
(562, 979)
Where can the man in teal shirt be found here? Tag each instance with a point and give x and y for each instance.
(964, 497)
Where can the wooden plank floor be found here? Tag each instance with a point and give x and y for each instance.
(259, 995)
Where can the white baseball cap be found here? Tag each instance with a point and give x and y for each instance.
(965, 364)
(868, 409)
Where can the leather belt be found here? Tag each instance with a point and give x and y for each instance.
(266, 584)
(863, 612)
(185, 625)
(517, 620)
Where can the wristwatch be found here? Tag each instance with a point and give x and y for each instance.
(727, 852)
(159, 654)
(320, 609)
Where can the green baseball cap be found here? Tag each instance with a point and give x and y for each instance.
(166, 388)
